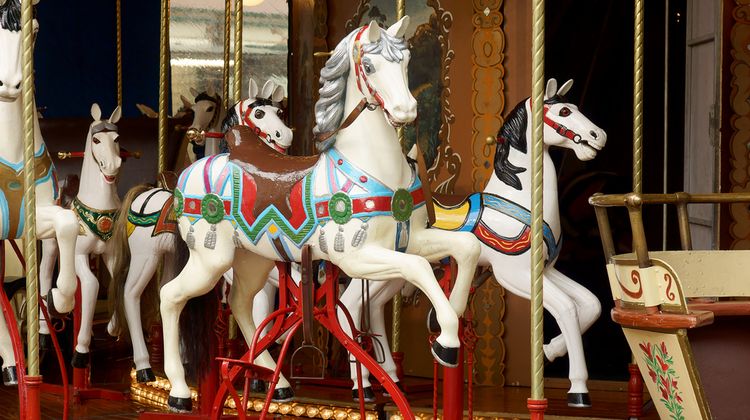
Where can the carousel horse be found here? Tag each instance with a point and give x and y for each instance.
(96, 206)
(208, 115)
(359, 205)
(500, 219)
(52, 221)
(144, 232)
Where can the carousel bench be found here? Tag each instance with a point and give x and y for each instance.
(684, 313)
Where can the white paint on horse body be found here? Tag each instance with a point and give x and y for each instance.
(51, 220)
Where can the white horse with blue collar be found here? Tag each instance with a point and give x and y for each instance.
(500, 218)
(357, 205)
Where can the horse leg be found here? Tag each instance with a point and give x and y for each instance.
(46, 269)
(89, 292)
(202, 271)
(563, 308)
(250, 276)
(63, 225)
(263, 304)
(587, 304)
(464, 247)
(378, 324)
(142, 269)
(377, 263)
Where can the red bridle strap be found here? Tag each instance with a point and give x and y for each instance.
(559, 129)
(360, 72)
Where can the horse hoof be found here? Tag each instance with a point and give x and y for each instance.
(433, 326)
(282, 395)
(367, 393)
(257, 386)
(446, 356)
(80, 360)
(179, 404)
(579, 399)
(51, 307)
(145, 375)
(10, 376)
(398, 385)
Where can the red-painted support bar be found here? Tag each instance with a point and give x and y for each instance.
(635, 392)
(536, 408)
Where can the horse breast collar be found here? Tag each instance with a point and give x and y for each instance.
(99, 222)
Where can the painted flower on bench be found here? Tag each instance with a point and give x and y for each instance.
(662, 373)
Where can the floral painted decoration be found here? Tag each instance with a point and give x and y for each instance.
(662, 373)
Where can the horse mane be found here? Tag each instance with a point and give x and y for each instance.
(513, 134)
(10, 15)
(329, 109)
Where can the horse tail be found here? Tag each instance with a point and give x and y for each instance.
(121, 255)
(198, 317)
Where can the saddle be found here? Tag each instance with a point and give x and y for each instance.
(449, 200)
(274, 174)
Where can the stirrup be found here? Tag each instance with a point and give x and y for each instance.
(316, 352)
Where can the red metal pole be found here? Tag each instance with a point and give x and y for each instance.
(453, 387)
(635, 392)
(33, 403)
(536, 408)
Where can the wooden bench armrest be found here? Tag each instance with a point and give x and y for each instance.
(663, 321)
(723, 308)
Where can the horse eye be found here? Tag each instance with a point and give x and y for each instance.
(117, 139)
(564, 111)
(368, 68)
(259, 113)
(210, 109)
(96, 140)
(280, 113)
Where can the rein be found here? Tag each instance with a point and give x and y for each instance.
(559, 129)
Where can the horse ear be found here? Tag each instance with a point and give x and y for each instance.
(278, 94)
(372, 34)
(210, 91)
(96, 112)
(267, 90)
(193, 92)
(186, 102)
(116, 114)
(398, 29)
(565, 87)
(252, 91)
(551, 89)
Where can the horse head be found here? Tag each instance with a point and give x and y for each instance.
(566, 126)
(261, 111)
(380, 59)
(103, 145)
(10, 45)
(206, 110)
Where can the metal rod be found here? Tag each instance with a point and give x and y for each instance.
(163, 79)
(29, 194)
(227, 52)
(118, 7)
(638, 98)
(665, 127)
(537, 197)
(238, 10)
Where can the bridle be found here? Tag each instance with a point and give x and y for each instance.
(560, 129)
(247, 121)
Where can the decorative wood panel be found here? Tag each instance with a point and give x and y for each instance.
(488, 306)
(740, 121)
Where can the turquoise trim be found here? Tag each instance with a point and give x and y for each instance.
(19, 165)
(6, 214)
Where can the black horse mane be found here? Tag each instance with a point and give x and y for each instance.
(10, 15)
(513, 134)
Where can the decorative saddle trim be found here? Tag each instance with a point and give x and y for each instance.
(99, 222)
(163, 220)
(11, 190)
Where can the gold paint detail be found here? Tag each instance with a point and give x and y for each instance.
(451, 218)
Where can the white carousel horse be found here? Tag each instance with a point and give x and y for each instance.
(245, 210)
(145, 228)
(500, 218)
(51, 220)
(208, 115)
(96, 205)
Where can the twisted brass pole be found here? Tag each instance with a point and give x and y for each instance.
(118, 7)
(238, 50)
(29, 194)
(638, 98)
(537, 197)
(227, 52)
(396, 339)
(163, 79)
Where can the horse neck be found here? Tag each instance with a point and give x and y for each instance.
(523, 196)
(371, 143)
(11, 131)
(93, 190)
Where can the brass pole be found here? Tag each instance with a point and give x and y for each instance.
(29, 194)
(238, 11)
(118, 6)
(396, 341)
(163, 68)
(227, 52)
(537, 197)
(638, 98)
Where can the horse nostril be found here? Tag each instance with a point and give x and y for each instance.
(593, 134)
(1, 82)
(18, 86)
(278, 134)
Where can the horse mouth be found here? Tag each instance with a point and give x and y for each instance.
(279, 148)
(392, 121)
(109, 179)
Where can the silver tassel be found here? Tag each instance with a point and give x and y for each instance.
(360, 236)
(322, 240)
(190, 238)
(210, 241)
(403, 235)
(236, 240)
(338, 242)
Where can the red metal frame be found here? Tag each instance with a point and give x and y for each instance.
(635, 392)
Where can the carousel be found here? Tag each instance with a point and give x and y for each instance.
(356, 210)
